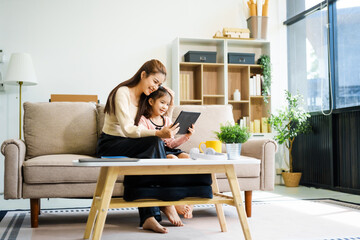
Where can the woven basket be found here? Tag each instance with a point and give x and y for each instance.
(291, 179)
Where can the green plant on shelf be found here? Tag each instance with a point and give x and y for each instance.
(265, 63)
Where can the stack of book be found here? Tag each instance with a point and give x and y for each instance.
(184, 86)
(255, 85)
(244, 122)
(260, 126)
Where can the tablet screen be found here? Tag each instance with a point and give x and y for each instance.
(185, 120)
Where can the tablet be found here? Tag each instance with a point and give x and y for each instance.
(119, 159)
(185, 120)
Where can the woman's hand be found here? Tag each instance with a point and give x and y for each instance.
(168, 132)
(191, 131)
(171, 105)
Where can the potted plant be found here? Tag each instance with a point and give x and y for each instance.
(233, 136)
(265, 63)
(289, 123)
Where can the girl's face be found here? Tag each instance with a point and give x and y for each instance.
(160, 105)
(151, 82)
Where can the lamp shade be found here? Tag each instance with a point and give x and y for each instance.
(20, 69)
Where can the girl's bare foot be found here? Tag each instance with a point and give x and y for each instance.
(188, 214)
(185, 210)
(151, 224)
(172, 215)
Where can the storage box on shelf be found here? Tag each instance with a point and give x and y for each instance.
(215, 83)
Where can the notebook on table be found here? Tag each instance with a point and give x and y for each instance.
(109, 159)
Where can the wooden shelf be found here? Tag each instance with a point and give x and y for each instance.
(190, 101)
(233, 65)
(213, 96)
(259, 96)
(241, 101)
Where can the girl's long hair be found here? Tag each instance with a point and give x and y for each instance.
(146, 109)
(152, 66)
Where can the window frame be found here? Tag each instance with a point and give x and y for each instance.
(332, 45)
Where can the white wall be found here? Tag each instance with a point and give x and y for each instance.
(89, 46)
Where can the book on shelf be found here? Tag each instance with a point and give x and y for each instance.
(184, 86)
(257, 126)
(255, 85)
(251, 86)
(264, 125)
(252, 130)
(258, 85)
(243, 122)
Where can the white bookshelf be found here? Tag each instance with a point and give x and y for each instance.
(214, 83)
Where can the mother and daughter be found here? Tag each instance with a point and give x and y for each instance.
(135, 125)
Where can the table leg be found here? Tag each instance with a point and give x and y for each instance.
(93, 211)
(219, 207)
(102, 201)
(235, 189)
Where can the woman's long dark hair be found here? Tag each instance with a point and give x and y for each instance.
(146, 109)
(152, 66)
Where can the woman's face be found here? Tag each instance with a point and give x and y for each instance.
(151, 82)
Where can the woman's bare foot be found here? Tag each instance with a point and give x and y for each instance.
(151, 224)
(172, 215)
(185, 210)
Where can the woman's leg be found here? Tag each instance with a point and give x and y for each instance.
(148, 147)
(171, 156)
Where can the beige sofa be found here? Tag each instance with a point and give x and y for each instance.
(58, 133)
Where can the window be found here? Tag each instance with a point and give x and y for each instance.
(347, 87)
(314, 51)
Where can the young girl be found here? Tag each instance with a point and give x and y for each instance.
(154, 109)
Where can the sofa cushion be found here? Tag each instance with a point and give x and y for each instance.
(100, 117)
(209, 121)
(59, 169)
(60, 127)
(244, 171)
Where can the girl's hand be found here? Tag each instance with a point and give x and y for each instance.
(191, 131)
(168, 132)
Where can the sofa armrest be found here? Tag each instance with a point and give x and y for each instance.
(263, 149)
(14, 151)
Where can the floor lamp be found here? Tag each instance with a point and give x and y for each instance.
(20, 72)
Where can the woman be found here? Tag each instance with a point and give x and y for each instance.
(122, 137)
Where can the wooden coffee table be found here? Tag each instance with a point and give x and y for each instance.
(110, 171)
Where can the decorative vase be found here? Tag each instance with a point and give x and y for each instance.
(236, 95)
(291, 179)
(233, 150)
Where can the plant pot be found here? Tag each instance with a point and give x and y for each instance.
(233, 150)
(291, 179)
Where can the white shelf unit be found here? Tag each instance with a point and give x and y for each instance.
(214, 83)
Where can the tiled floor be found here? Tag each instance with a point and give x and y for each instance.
(281, 192)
